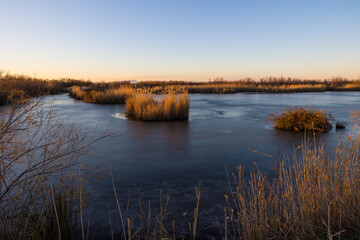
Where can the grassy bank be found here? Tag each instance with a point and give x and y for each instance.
(172, 105)
(269, 84)
(111, 92)
(302, 119)
(107, 96)
(14, 87)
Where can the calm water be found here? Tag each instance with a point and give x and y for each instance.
(145, 157)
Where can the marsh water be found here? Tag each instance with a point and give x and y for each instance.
(222, 131)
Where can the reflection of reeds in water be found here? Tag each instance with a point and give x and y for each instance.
(302, 119)
(171, 105)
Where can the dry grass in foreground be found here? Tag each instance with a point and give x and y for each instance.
(172, 105)
(315, 197)
(302, 119)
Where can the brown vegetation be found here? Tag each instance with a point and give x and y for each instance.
(172, 105)
(105, 93)
(302, 119)
(20, 86)
(269, 84)
(315, 197)
(14, 87)
(109, 96)
(355, 116)
(36, 148)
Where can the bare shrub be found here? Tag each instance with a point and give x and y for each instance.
(36, 149)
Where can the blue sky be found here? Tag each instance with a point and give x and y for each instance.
(180, 39)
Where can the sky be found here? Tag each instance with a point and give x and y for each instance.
(180, 39)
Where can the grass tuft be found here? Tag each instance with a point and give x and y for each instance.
(302, 119)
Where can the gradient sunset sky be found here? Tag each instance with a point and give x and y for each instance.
(180, 39)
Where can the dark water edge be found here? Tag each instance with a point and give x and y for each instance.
(222, 131)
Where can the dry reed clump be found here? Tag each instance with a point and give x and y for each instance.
(302, 119)
(315, 197)
(109, 96)
(77, 93)
(174, 105)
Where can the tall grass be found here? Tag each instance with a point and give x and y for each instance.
(316, 196)
(173, 105)
(355, 117)
(151, 224)
(53, 215)
(302, 119)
